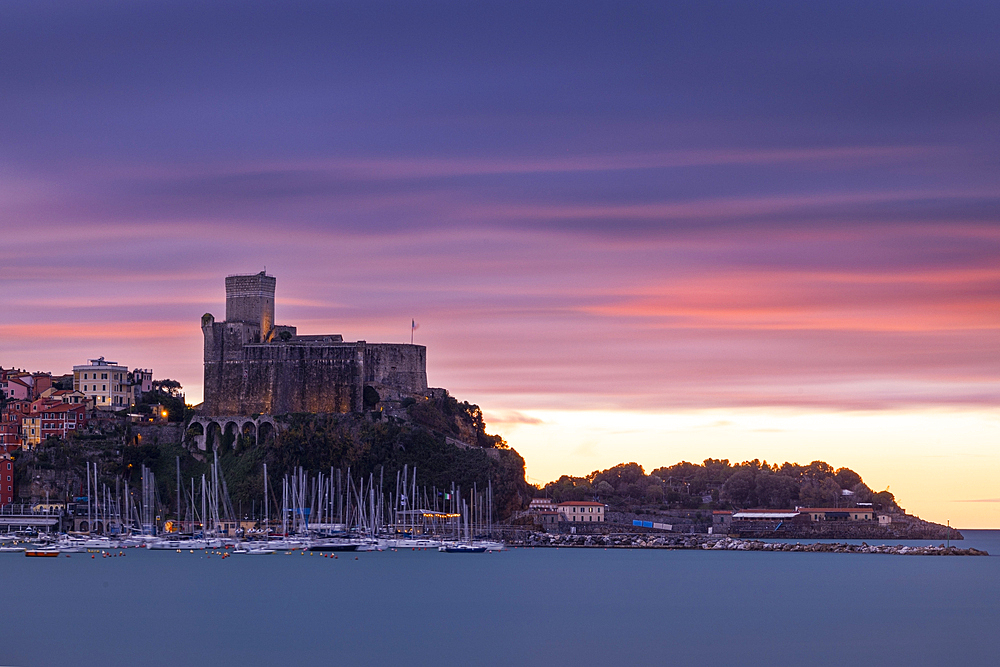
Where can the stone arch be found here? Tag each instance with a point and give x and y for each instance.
(265, 431)
(196, 433)
(99, 526)
(213, 435)
(209, 432)
(84, 527)
(249, 432)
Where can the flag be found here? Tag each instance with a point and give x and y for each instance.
(413, 325)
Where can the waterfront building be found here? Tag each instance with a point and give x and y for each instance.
(766, 515)
(547, 517)
(581, 511)
(542, 505)
(105, 382)
(721, 521)
(838, 513)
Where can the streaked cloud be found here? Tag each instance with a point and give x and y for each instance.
(619, 208)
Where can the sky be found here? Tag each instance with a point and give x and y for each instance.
(629, 231)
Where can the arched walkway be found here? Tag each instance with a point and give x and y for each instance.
(208, 431)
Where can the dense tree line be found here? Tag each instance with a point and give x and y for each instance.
(718, 484)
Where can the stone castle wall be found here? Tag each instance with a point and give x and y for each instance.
(283, 378)
(398, 366)
(250, 372)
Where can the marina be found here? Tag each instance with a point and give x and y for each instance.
(322, 513)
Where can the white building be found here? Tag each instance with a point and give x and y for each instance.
(580, 510)
(105, 382)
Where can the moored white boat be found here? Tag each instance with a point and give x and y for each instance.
(462, 548)
(409, 543)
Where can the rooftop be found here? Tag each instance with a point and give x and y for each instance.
(835, 509)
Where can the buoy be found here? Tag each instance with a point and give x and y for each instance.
(91, 555)
(355, 558)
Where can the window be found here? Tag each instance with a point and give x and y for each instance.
(104, 376)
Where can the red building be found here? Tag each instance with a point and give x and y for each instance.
(6, 480)
(50, 419)
(11, 418)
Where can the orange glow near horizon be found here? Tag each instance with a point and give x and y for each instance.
(948, 470)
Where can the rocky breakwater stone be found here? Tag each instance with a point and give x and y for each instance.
(730, 544)
(712, 543)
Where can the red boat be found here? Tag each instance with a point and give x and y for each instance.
(41, 553)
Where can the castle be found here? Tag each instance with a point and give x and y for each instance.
(253, 366)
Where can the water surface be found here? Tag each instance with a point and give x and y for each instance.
(522, 607)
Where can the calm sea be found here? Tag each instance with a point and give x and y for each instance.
(521, 607)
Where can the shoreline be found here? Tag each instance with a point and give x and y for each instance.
(704, 543)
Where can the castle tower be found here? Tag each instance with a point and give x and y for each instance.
(250, 300)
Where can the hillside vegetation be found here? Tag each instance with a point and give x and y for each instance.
(717, 484)
(365, 443)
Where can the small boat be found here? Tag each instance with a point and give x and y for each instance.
(173, 545)
(493, 545)
(259, 552)
(461, 549)
(335, 545)
(41, 553)
(10, 550)
(409, 543)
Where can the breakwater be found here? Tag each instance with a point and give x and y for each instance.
(712, 543)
